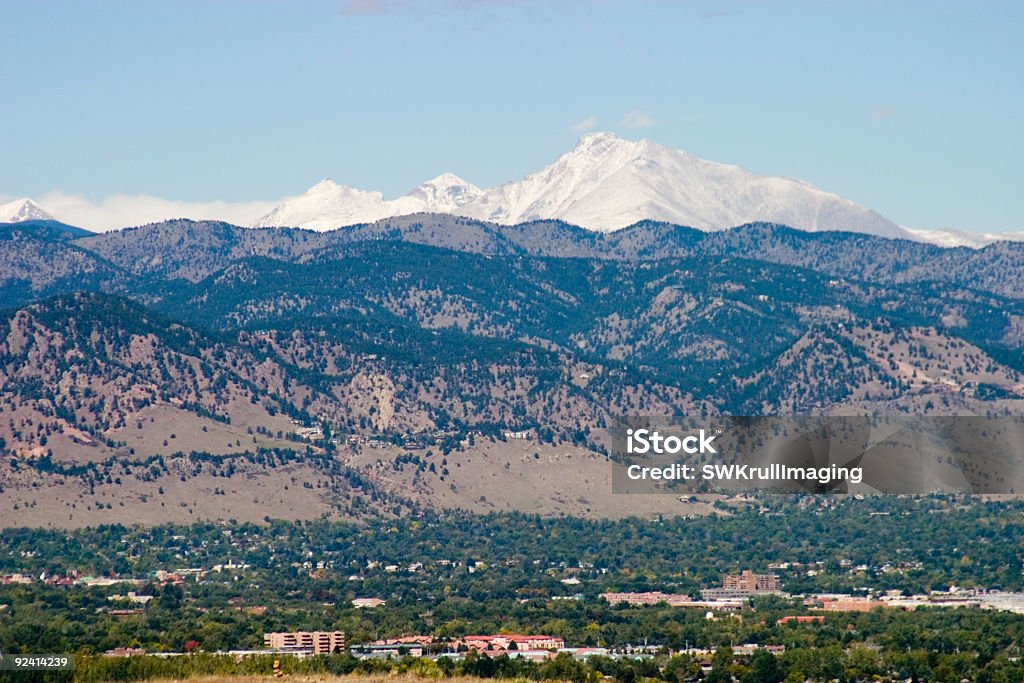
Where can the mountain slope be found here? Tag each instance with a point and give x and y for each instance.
(360, 374)
(194, 250)
(41, 229)
(39, 258)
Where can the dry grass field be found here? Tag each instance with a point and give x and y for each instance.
(521, 475)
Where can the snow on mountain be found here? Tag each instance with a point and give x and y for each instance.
(446, 193)
(328, 205)
(22, 210)
(950, 237)
(604, 184)
(607, 183)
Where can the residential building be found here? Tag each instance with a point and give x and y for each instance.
(505, 641)
(651, 598)
(309, 642)
(751, 582)
(359, 603)
(385, 651)
(801, 619)
(748, 649)
(845, 604)
(743, 585)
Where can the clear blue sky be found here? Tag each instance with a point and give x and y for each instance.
(911, 108)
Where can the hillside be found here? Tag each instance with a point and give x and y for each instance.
(193, 250)
(383, 367)
(39, 258)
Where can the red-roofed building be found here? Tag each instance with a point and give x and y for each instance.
(802, 619)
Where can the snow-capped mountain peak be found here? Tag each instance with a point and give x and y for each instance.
(328, 205)
(603, 183)
(599, 140)
(330, 190)
(445, 193)
(450, 181)
(570, 182)
(325, 185)
(22, 210)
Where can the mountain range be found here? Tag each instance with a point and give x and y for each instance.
(186, 369)
(604, 183)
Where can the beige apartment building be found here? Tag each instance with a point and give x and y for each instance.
(749, 581)
(309, 642)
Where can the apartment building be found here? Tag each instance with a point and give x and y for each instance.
(751, 582)
(308, 642)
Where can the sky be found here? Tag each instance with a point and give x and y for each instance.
(915, 109)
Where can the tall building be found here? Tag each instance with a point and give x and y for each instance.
(749, 581)
(308, 642)
(743, 585)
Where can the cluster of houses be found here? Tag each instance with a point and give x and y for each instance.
(303, 644)
(954, 597)
(529, 647)
(736, 589)
(413, 440)
(733, 594)
(160, 577)
(819, 567)
(515, 645)
(536, 647)
(71, 579)
(545, 647)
